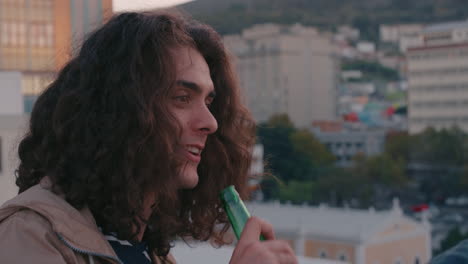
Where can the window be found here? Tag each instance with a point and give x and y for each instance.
(323, 253)
(29, 101)
(398, 261)
(13, 33)
(5, 33)
(342, 256)
(21, 34)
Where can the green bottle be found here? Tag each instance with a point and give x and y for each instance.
(235, 209)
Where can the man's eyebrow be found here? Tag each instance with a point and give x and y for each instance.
(194, 87)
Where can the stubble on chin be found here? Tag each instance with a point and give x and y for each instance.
(187, 176)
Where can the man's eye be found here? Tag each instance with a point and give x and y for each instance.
(209, 102)
(183, 98)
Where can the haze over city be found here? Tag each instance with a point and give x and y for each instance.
(361, 111)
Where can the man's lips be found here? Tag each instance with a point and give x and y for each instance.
(193, 152)
(192, 157)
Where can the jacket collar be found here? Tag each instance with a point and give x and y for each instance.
(77, 227)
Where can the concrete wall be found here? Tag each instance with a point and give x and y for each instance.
(398, 251)
(12, 128)
(313, 248)
(11, 100)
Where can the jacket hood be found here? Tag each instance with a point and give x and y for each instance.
(77, 227)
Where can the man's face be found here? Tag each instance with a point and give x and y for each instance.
(189, 101)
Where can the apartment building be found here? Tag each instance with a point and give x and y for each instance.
(444, 33)
(403, 35)
(346, 144)
(37, 37)
(438, 78)
(286, 69)
(393, 33)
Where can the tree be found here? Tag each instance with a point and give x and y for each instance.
(305, 144)
(278, 152)
(464, 177)
(338, 186)
(439, 154)
(311, 155)
(384, 171)
(367, 28)
(291, 155)
(397, 145)
(297, 192)
(453, 238)
(370, 180)
(270, 188)
(447, 147)
(278, 149)
(372, 70)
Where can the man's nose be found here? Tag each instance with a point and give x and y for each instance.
(206, 122)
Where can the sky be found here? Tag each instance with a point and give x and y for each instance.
(121, 5)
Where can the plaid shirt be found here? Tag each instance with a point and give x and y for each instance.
(129, 252)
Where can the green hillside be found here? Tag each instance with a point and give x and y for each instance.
(231, 16)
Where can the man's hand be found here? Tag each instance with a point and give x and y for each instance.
(250, 249)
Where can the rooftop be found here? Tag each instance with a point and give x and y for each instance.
(446, 26)
(205, 253)
(344, 224)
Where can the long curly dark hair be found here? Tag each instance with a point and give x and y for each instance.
(102, 132)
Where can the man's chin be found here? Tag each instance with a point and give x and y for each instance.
(188, 182)
(188, 186)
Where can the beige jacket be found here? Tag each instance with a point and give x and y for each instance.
(38, 226)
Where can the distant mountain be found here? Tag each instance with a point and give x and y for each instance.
(231, 16)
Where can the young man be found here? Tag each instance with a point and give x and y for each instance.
(129, 148)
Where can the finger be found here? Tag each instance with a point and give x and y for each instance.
(254, 227)
(279, 246)
(287, 259)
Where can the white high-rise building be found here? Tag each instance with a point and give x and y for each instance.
(286, 69)
(438, 78)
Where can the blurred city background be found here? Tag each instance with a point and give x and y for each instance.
(362, 111)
